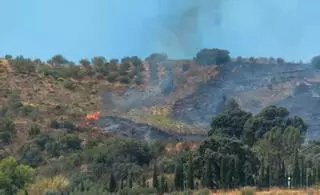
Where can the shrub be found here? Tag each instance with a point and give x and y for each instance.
(124, 79)
(34, 130)
(68, 125)
(112, 77)
(54, 124)
(69, 85)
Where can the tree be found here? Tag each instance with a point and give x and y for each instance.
(207, 175)
(8, 57)
(231, 121)
(162, 185)
(190, 175)
(112, 183)
(86, 65)
(315, 61)
(58, 60)
(23, 65)
(130, 179)
(14, 176)
(179, 177)
(155, 182)
(212, 57)
(99, 63)
(6, 131)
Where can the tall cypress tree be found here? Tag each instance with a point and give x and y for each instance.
(130, 180)
(190, 175)
(207, 174)
(112, 183)
(155, 182)
(296, 173)
(162, 185)
(179, 179)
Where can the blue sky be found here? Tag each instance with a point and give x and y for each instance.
(118, 28)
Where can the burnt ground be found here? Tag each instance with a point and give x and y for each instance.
(293, 86)
(128, 128)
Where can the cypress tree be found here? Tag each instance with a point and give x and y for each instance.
(143, 181)
(162, 185)
(179, 179)
(207, 180)
(112, 183)
(155, 182)
(130, 182)
(190, 175)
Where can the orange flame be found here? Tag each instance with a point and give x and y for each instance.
(92, 117)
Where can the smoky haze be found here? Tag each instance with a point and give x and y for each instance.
(276, 28)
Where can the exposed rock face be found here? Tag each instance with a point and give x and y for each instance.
(293, 86)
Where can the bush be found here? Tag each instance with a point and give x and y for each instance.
(212, 57)
(124, 79)
(34, 130)
(112, 77)
(69, 85)
(68, 125)
(23, 65)
(69, 143)
(6, 131)
(54, 124)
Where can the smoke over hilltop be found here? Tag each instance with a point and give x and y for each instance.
(284, 28)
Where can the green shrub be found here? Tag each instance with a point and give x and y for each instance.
(34, 130)
(69, 85)
(54, 124)
(68, 125)
(112, 77)
(124, 79)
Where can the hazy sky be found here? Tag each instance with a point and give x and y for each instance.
(117, 28)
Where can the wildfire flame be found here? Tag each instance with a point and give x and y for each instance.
(92, 117)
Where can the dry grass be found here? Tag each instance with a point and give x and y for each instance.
(273, 191)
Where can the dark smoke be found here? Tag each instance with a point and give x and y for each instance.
(179, 28)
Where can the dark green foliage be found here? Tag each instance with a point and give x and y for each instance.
(207, 175)
(112, 183)
(31, 155)
(124, 79)
(69, 142)
(6, 131)
(212, 57)
(34, 130)
(112, 77)
(130, 180)
(58, 60)
(190, 175)
(179, 177)
(54, 124)
(230, 122)
(8, 57)
(155, 181)
(68, 125)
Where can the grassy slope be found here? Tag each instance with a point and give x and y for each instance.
(55, 101)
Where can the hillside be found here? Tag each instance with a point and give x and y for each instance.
(112, 126)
